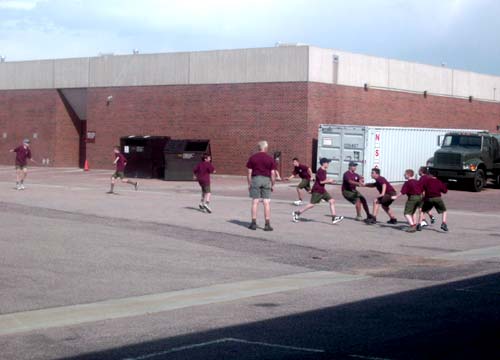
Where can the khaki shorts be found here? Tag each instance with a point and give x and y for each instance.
(352, 196)
(21, 167)
(413, 203)
(436, 202)
(385, 200)
(317, 197)
(205, 189)
(260, 188)
(118, 174)
(304, 184)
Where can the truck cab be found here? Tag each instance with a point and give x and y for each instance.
(468, 158)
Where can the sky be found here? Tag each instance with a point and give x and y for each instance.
(463, 34)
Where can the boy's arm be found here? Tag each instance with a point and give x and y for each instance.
(310, 172)
(384, 188)
(116, 160)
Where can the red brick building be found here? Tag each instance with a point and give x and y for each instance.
(234, 98)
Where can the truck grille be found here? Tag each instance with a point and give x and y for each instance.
(448, 159)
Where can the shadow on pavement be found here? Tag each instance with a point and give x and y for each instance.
(459, 320)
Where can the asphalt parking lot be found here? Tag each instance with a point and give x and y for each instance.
(146, 275)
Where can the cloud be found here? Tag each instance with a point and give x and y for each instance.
(19, 4)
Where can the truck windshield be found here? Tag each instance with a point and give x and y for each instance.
(469, 141)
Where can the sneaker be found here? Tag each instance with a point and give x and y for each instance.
(419, 227)
(393, 221)
(268, 227)
(337, 219)
(444, 227)
(411, 229)
(253, 226)
(433, 219)
(424, 223)
(297, 203)
(206, 207)
(18, 187)
(201, 206)
(110, 192)
(358, 218)
(295, 216)
(136, 186)
(371, 220)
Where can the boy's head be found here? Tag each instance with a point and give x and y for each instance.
(352, 166)
(116, 149)
(409, 173)
(375, 173)
(295, 162)
(206, 157)
(324, 162)
(26, 142)
(423, 171)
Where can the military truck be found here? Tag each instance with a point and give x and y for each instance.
(467, 158)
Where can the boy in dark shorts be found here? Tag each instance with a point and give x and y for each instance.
(121, 163)
(23, 154)
(304, 172)
(319, 193)
(413, 190)
(202, 173)
(350, 182)
(433, 188)
(385, 199)
(423, 173)
(261, 176)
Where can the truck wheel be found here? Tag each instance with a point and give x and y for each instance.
(479, 181)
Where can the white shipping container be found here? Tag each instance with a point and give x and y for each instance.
(391, 149)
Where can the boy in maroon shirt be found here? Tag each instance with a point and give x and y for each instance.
(413, 190)
(261, 176)
(121, 163)
(424, 176)
(433, 188)
(23, 154)
(385, 199)
(202, 173)
(350, 182)
(319, 193)
(305, 174)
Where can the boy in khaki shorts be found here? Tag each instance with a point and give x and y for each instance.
(121, 163)
(305, 174)
(202, 173)
(433, 188)
(413, 190)
(319, 193)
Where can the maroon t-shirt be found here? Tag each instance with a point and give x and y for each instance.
(203, 171)
(434, 187)
(261, 164)
(346, 185)
(423, 179)
(411, 187)
(318, 187)
(302, 171)
(380, 181)
(22, 155)
(121, 163)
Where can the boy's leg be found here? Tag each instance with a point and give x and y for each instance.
(112, 187)
(388, 211)
(376, 207)
(18, 177)
(128, 181)
(411, 219)
(358, 207)
(331, 202)
(299, 194)
(305, 208)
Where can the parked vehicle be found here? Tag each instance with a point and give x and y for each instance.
(467, 158)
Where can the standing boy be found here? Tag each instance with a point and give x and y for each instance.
(202, 173)
(23, 153)
(413, 190)
(385, 199)
(319, 193)
(350, 182)
(261, 177)
(121, 163)
(304, 172)
(423, 172)
(433, 188)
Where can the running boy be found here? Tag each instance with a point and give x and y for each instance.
(350, 182)
(121, 163)
(433, 188)
(385, 199)
(23, 153)
(413, 190)
(424, 176)
(319, 193)
(202, 173)
(304, 172)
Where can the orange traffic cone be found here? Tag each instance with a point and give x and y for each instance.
(86, 166)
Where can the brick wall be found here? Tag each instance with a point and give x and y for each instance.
(233, 117)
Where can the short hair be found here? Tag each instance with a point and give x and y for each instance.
(295, 159)
(424, 170)
(376, 171)
(116, 147)
(410, 172)
(205, 156)
(263, 145)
